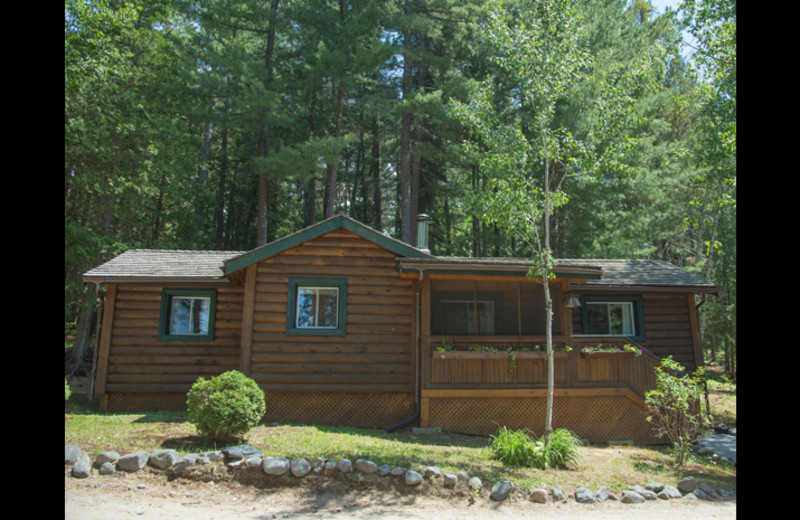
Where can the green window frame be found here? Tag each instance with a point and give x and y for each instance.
(187, 315)
(316, 306)
(612, 315)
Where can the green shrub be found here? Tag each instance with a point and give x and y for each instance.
(516, 448)
(226, 406)
(67, 393)
(675, 407)
(521, 448)
(562, 452)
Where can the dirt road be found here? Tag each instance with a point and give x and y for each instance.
(155, 499)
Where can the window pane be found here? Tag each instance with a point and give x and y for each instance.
(200, 316)
(317, 307)
(596, 318)
(180, 316)
(328, 312)
(306, 306)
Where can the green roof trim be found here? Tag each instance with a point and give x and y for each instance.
(319, 229)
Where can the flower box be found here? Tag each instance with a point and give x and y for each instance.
(607, 354)
(471, 354)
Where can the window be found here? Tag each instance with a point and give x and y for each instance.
(462, 313)
(187, 315)
(316, 306)
(613, 316)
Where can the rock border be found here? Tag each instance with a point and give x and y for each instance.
(249, 464)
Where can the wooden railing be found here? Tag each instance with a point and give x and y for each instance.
(513, 362)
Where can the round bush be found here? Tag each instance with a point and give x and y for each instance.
(226, 406)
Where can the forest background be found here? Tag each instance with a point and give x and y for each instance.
(220, 124)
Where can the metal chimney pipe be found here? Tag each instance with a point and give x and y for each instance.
(422, 232)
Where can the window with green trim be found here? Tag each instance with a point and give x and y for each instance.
(316, 306)
(187, 315)
(613, 316)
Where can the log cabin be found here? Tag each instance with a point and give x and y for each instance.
(341, 324)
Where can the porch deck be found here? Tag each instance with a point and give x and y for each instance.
(598, 397)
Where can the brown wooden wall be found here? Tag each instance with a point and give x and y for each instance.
(670, 327)
(375, 355)
(139, 362)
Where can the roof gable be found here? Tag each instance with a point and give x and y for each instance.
(339, 221)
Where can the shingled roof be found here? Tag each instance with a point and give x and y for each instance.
(159, 265)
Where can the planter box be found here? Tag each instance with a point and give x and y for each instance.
(469, 354)
(624, 354)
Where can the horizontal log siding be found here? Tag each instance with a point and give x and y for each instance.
(668, 327)
(375, 354)
(139, 363)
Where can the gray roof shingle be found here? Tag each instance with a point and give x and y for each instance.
(158, 265)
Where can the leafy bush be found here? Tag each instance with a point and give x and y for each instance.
(521, 448)
(67, 393)
(226, 406)
(516, 448)
(562, 452)
(675, 406)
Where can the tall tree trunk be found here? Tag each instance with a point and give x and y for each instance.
(223, 172)
(333, 169)
(548, 300)
(406, 215)
(263, 135)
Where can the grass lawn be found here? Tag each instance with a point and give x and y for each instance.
(615, 467)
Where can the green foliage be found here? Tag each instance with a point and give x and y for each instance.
(675, 406)
(521, 448)
(226, 406)
(67, 392)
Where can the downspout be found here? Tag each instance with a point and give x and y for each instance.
(101, 297)
(422, 244)
(415, 413)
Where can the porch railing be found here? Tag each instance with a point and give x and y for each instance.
(514, 362)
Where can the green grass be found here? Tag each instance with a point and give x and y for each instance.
(614, 467)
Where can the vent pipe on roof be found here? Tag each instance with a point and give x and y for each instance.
(422, 232)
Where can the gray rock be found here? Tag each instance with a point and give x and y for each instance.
(669, 492)
(71, 453)
(558, 495)
(384, 470)
(475, 483)
(539, 495)
(432, 472)
(711, 493)
(330, 465)
(275, 465)
(631, 497)
(699, 493)
(413, 478)
(584, 496)
(163, 459)
(345, 466)
(689, 496)
(300, 467)
(647, 494)
(241, 452)
(724, 494)
(501, 490)
(183, 463)
(213, 456)
(449, 480)
(82, 467)
(106, 468)
(106, 456)
(133, 461)
(687, 485)
(398, 471)
(463, 476)
(366, 466)
(318, 464)
(251, 462)
(602, 495)
(655, 487)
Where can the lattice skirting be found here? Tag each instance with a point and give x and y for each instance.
(145, 402)
(332, 409)
(596, 418)
(338, 409)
